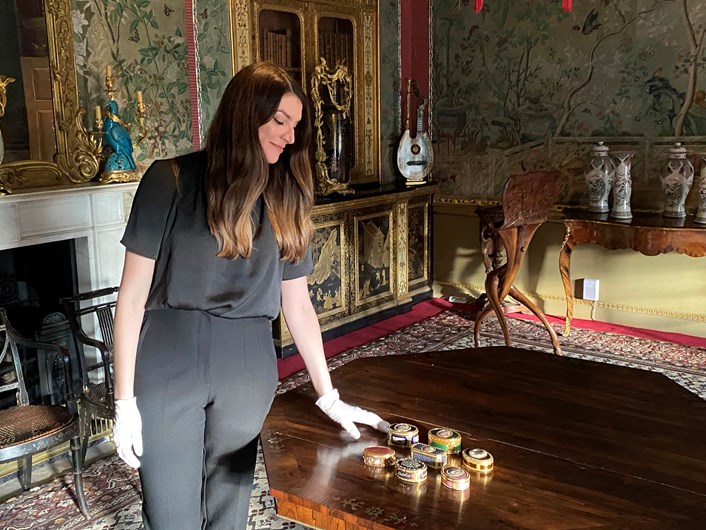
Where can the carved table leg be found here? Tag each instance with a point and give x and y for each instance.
(565, 270)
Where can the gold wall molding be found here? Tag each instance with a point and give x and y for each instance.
(371, 135)
(402, 251)
(241, 30)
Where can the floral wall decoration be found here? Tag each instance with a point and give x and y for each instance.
(212, 20)
(521, 84)
(144, 43)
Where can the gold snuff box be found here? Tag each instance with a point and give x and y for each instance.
(402, 434)
(446, 439)
(478, 460)
(431, 456)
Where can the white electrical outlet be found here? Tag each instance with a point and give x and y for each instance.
(587, 289)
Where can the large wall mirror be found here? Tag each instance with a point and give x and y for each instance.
(45, 142)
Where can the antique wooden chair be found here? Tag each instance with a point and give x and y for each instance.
(509, 228)
(91, 317)
(29, 428)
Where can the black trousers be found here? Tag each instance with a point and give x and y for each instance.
(204, 386)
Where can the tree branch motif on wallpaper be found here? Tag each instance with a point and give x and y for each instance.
(147, 51)
(520, 75)
(525, 72)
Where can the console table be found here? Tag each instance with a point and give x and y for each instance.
(577, 444)
(647, 232)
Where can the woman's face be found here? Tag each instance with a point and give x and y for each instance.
(278, 132)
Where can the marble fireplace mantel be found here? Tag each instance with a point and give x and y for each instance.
(93, 215)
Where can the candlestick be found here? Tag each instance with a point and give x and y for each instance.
(139, 96)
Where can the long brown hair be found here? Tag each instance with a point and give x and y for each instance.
(238, 173)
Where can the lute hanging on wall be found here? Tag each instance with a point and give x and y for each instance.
(415, 156)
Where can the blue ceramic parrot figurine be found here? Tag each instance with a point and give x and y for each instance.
(116, 135)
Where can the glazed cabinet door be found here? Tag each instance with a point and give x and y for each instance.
(280, 37)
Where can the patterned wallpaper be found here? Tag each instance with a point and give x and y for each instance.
(524, 84)
(144, 41)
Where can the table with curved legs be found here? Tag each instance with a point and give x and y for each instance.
(647, 232)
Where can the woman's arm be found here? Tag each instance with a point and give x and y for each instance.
(130, 309)
(306, 332)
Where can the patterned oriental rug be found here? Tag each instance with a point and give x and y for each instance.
(113, 490)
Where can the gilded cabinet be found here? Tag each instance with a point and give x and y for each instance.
(371, 259)
(295, 34)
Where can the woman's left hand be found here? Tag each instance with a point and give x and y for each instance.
(347, 415)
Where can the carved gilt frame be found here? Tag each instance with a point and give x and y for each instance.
(77, 152)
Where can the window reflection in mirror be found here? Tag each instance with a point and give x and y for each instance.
(28, 124)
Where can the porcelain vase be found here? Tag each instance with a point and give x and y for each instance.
(599, 174)
(676, 176)
(701, 213)
(622, 185)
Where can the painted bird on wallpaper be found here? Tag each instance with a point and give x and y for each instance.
(118, 138)
(590, 24)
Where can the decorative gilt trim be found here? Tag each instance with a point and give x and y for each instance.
(402, 250)
(369, 92)
(424, 280)
(325, 185)
(240, 30)
(77, 154)
(464, 201)
(77, 151)
(352, 203)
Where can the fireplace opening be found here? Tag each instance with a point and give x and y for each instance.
(32, 281)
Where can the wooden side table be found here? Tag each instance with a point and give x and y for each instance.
(648, 233)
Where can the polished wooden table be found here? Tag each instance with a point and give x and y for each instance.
(648, 233)
(577, 444)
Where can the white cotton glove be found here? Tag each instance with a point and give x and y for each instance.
(127, 431)
(347, 415)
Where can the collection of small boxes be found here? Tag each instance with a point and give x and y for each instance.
(441, 443)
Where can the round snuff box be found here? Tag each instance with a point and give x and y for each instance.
(478, 460)
(402, 434)
(455, 478)
(446, 439)
(378, 456)
(410, 470)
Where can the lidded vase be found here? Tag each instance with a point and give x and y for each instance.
(676, 176)
(599, 174)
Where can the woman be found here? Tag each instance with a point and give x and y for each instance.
(215, 242)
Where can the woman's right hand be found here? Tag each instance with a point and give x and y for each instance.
(127, 431)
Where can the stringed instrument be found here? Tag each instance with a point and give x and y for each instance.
(415, 156)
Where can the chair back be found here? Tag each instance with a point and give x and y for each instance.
(91, 318)
(528, 197)
(12, 341)
(14, 380)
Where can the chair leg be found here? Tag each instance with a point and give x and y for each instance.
(25, 472)
(519, 295)
(493, 281)
(78, 476)
(476, 326)
(85, 432)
